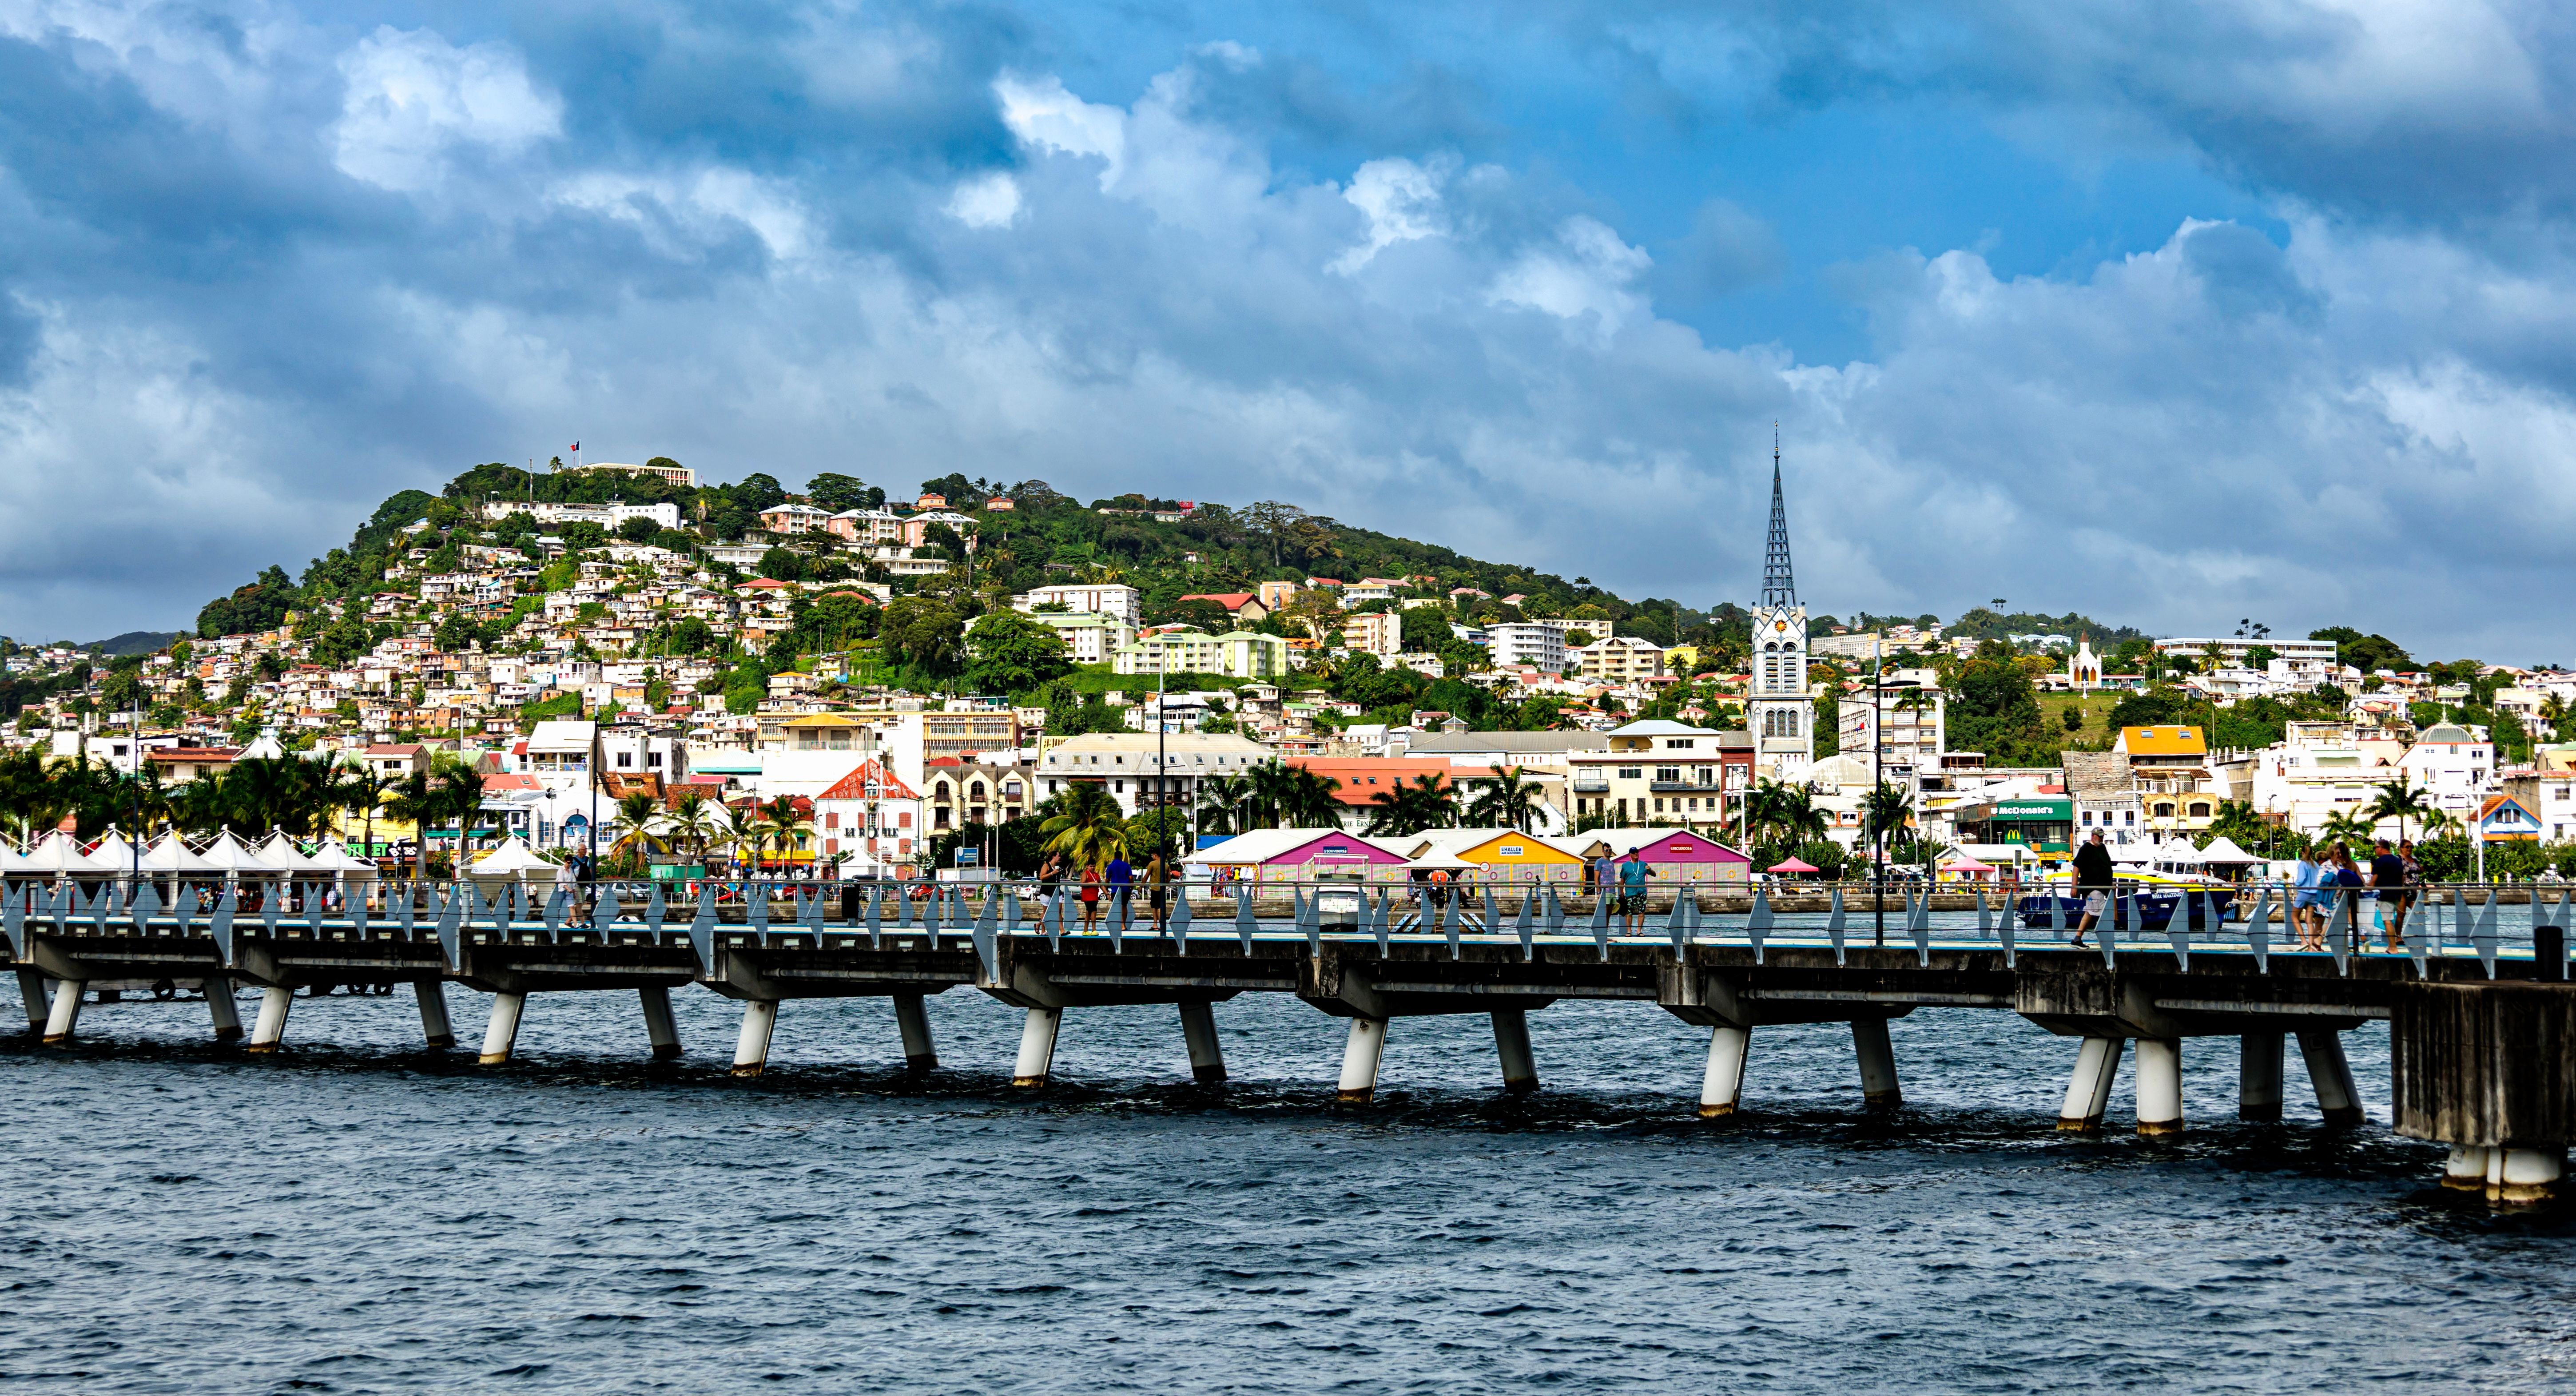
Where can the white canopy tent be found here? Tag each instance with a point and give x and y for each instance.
(280, 853)
(59, 855)
(2223, 849)
(512, 861)
(229, 856)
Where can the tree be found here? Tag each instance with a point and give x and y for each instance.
(260, 605)
(782, 565)
(842, 493)
(1010, 653)
(1222, 801)
(2399, 801)
(1426, 802)
(1507, 801)
(639, 529)
(924, 633)
(2368, 653)
(641, 826)
(1086, 829)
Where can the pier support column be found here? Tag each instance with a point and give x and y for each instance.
(1878, 1088)
(501, 1035)
(2258, 1077)
(2466, 1168)
(2088, 1091)
(2159, 1085)
(2522, 1175)
(658, 1026)
(1207, 1056)
(1359, 1060)
(2337, 1098)
(1037, 1047)
(31, 994)
(912, 1019)
(65, 1014)
(221, 1008)
(751, 1050)
(1723, 1086)
(270, 1028)
(1512, 1043)
(434, 1027)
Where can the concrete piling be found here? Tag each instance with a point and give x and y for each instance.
(2159, 1085)
(1360, 1059)
(65, 1014)
(2088, 1091)
(221, 1008)
(501, 1035)
(2331, 1074)
(1037, 1047)
(1878, 1087)
(912, 1019)
(269, 1029)
(751, 1049)
(1198, 1031)
(1512, 1043)
(1722, 1087)
(31, 993)
(658, 1025)
(434, 1026)
(2258, 1076)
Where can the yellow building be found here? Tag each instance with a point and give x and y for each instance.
(1506, 855)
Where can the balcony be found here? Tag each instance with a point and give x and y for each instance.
(1591, 785)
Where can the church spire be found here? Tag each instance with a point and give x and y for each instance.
(1777, 587)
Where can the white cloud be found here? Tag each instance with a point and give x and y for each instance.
(986, 201)
(413, 97)
(1402, 202)
(1585, 273)
(1044, 115)
(682, 214)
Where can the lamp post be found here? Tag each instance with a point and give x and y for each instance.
(1877, 785)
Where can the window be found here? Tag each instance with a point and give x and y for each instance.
(625, 759)
(1632, 772)
(1669, 775)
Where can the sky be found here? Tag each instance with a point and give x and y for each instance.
(2178, 315)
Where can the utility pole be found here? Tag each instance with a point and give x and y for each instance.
(1877, 786)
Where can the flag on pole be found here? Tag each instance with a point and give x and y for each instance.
(576, 445)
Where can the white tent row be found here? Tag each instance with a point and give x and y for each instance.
(58, 854)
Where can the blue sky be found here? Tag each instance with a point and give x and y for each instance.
(2171, 313)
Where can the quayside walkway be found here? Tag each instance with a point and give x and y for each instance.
(2482, 1019)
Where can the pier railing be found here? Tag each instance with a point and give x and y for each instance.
(2484, 921)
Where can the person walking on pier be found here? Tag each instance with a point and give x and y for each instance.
(2305, 880)
(1156, 877)
(2095, 882)
(1632, 894)
(2388, 879)
(1090, 899)
(1122, 886)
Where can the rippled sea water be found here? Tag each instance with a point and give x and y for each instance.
(356, 1215)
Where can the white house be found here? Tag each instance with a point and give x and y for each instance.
(1105, 598)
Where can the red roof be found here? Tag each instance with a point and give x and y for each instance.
(510, 780)
(855, 785)
(1231, 600)
(763, 584)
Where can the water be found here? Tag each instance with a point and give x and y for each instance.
(354, 1216)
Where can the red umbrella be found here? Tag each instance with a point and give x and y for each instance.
(1795, 865)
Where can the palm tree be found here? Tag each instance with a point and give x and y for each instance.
(2553, 711)
(1883, 811)
(783, 826)
(1273, 792)
(1310, 801)
(697, 820)
(1087, 827)
(2399, 801)
(362, 791)
(1222, 801)
(641, 824)
(2348, 829)
(1409, 809)
(1507, 801)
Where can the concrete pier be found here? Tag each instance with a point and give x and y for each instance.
(269, 1029)
(65, 1014)
(1360, 1055)
(2485, 1069)
(1037, 1047)
(751, 1049)
(221, 1008)
(1512, 1044)
(434, 1027)
(501, 1034)
(1721, 1089)
(658, 1025)
(2258, 1076)
(2331, 1075)
(2159, 1079)
(1198, 1032)
(1878, 1088)
(31, 994)
(912, 1019)
(2088, 1090)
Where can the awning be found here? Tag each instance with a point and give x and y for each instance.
(1795, 865)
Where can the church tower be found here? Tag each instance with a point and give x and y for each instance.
(1778, 708)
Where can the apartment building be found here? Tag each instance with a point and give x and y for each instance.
(1621, 659)
(1141, 770)
(1904, 720)
(1659, 772)
(1104, 598)
(1090, 637)
(1379, 633)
